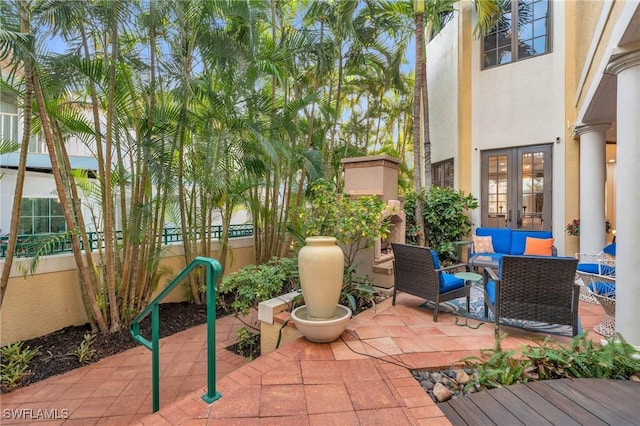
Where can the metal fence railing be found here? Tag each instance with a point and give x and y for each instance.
(46, 244)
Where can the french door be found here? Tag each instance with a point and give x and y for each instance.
(516, 188)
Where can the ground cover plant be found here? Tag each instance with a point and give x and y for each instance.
(614, 358)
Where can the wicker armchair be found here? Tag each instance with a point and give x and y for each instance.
(541, 289)
(417, 272)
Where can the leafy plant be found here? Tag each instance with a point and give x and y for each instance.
(248, 343)
(357, 292)
(14, 365)
(613, 359)
(573, 227)
(357, 223)
(85, 351)
(256, 283)
(446, 219)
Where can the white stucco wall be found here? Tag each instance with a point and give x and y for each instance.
(442, 74)
(513, 105)
(522, 104)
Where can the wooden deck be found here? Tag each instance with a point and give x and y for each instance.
(550, 402)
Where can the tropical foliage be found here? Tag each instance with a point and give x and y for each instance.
(194, 109)
(613, 359)
(446, 217)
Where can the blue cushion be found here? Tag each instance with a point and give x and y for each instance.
(592, 268)
(603, 289)
(500, 237)
(610, 249)
(448, 282)
(436, 261)
(491, 291)
(519, 240)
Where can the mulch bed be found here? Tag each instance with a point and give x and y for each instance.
(57, 351)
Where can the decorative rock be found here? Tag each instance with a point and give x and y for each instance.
(426, 384)
(436, 377)
(635, 378)
(462, 377)
(441, 393)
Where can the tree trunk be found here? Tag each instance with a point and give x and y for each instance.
(417, 103)
(109, 229)
(66, 207)
(22, 166)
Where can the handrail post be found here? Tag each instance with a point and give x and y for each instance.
(155, 355)
(211, 394)
(213, 270)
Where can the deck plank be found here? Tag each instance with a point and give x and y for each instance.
(469, 411)
(497, 412)
(621, 396)
(553, 402)
(452, 415)
(525, 413)
(546, 410)
(564, 403)
(595, 406)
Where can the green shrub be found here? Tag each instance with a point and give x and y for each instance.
(256, 283)
(248, 345)
(446, 219)
(14, 365)
(357, 223)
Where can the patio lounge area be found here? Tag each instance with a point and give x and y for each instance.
(362, 379)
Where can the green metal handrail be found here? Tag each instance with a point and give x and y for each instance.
(213, 271)
(29, 244)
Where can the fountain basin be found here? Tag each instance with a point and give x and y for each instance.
(321, 330)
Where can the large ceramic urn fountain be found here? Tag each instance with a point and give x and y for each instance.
(321, 267)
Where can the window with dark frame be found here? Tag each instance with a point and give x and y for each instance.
(442, 173)
(503, 44)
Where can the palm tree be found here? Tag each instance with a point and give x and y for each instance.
(429, 16)
(15, 44)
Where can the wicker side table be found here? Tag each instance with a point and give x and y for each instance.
(608, 325)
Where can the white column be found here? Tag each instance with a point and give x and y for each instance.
(627, 68)
(593, 235)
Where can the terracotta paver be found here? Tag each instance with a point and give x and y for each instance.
(364, 378)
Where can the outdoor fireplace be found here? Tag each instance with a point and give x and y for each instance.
(377, 175)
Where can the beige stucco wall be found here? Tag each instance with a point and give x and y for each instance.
(599, 46)
(571, 148)
(50, 299)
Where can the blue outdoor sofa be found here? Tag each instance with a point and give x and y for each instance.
(506, 241)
